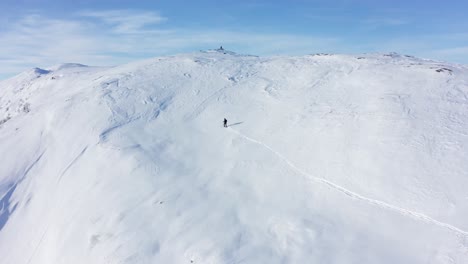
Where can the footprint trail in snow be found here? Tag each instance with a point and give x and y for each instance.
(406, 212)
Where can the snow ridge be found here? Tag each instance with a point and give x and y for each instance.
(383, 205)
(327, 159)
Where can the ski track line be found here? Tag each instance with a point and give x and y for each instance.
(38, 244)
(71, 163)
(402, 211)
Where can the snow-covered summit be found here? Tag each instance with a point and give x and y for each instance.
(327, 159)
(223, 51)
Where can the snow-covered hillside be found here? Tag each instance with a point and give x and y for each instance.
(327, 159)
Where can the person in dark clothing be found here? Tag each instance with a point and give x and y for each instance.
(225, 122)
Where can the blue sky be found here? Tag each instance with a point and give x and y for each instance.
(109, 32)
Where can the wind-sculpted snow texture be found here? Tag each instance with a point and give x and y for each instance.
(326, 159)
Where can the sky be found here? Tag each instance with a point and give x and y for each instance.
(43, 33)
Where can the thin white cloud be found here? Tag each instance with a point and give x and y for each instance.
(452, 54)
(113, 37)
(455, 51)
(387, 21)
(374, 23)
(126, 21)
(34, 40)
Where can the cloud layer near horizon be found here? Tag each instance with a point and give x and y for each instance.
(119, 36)
(112, 37)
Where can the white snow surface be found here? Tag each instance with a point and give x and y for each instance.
(327, 159)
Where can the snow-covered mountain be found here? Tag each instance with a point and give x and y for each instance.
(327, 159)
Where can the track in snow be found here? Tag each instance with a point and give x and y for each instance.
(402, 211)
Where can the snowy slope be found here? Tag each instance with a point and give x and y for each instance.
(328, 159)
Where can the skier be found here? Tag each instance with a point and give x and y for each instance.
(225, 122)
